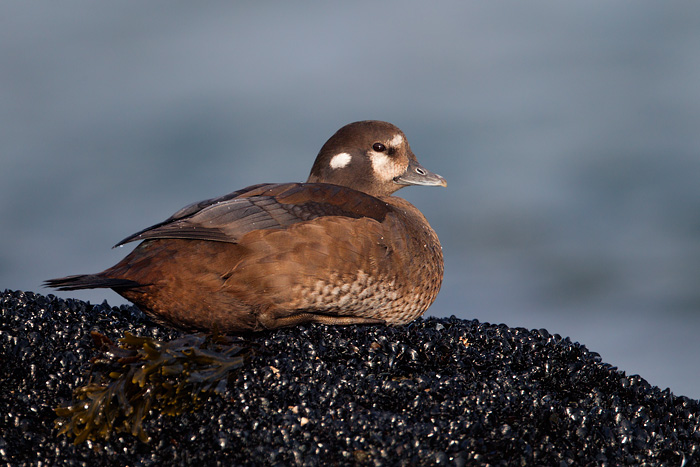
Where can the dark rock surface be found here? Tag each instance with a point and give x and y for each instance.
(439, 391)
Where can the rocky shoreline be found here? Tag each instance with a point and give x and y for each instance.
(438, 391)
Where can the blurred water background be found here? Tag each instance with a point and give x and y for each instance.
(569, 133)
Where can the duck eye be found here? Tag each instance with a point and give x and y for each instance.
(379, 147)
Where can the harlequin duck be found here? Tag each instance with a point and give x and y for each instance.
(338, 249)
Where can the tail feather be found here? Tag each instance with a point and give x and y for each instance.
(89, 281)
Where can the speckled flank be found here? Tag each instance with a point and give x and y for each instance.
(365, 297)
(352, 296)
(395, 298)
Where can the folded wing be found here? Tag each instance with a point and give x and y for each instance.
(261, 207)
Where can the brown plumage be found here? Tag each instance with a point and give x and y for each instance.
(338, 249)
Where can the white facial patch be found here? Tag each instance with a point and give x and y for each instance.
(396, 141)
(383, 166)
(340, 160)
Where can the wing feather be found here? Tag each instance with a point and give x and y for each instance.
(261, 207)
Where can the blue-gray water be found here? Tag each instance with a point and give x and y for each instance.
(569, 133)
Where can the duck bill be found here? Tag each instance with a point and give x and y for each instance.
(416, 174)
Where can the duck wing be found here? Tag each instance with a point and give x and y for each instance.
(261, 207)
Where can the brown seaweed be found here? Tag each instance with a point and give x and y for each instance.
(142, 374)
